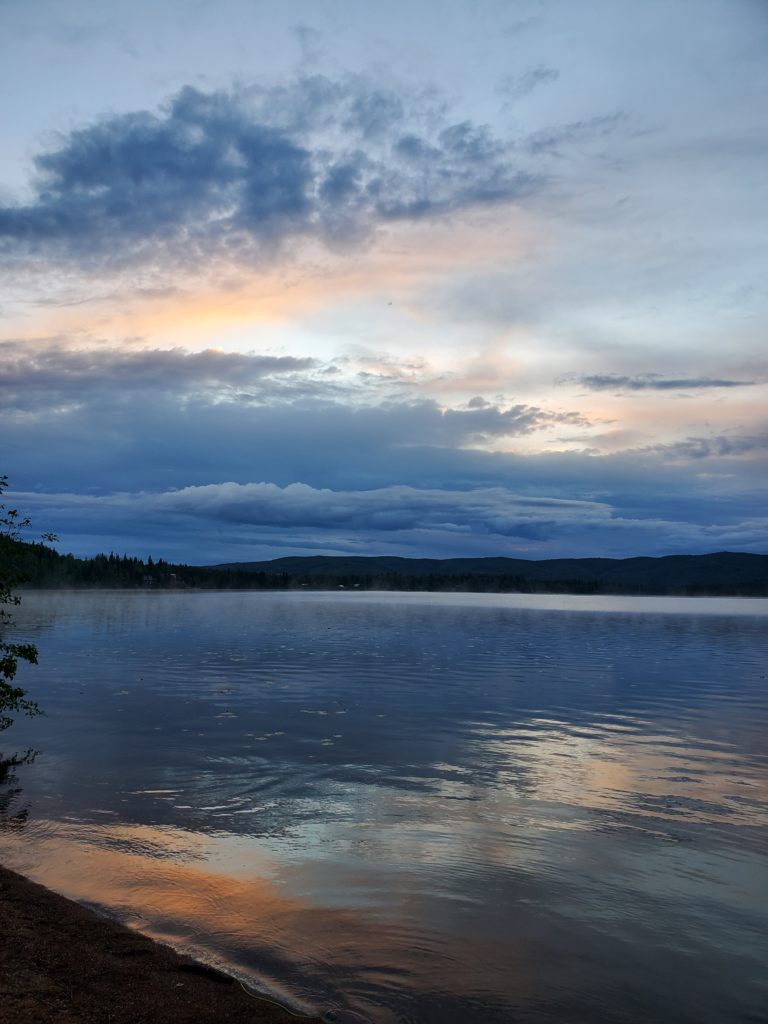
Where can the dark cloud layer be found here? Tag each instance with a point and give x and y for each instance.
(693, 495)
(704, 447)
(478, 425)
(35, 379)
(388, 509)
(30, 377)
(261, 518)
(650, 382)
(249, 169)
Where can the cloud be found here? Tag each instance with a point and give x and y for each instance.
(54, 369)
(706, 447)
(292, 426)
(256, 518)
(491, 510)
(299, 507)
(476, 425)
(552, 140)
(32, 378)
(650, 382)
(516, 87)
(191, 428)
(250, 170)
(485, 511)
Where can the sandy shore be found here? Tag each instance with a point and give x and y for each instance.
(60, 962)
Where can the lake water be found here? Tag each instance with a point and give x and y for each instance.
(419, 808)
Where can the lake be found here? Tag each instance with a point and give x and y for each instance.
(426, 808)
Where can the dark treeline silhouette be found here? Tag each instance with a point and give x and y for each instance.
(47, 569)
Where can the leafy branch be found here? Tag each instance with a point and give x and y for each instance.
(12, 698)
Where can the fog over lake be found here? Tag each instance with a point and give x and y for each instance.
(412, 807)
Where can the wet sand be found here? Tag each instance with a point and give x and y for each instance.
(60, 962)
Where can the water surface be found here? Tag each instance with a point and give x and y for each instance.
(418, 808)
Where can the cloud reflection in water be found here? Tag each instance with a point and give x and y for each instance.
(416, 809)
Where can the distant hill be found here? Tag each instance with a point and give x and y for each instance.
(723, 574)
(731, 570)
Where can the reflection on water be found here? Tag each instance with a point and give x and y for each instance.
(422, 808)
(12, 817)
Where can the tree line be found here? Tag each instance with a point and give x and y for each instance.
(45, 568)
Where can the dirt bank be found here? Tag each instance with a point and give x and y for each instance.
(62, 963)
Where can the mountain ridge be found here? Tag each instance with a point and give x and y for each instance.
(717, 568)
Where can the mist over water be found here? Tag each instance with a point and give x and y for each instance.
(419, 808)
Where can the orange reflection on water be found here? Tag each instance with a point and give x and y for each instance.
(611, 768)
(222, 900)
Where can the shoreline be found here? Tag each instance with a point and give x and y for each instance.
(62, 962)
(626, 592)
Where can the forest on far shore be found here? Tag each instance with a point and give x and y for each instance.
(47, 569)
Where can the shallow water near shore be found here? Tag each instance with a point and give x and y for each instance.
(419, 808)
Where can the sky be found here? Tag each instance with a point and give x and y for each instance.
(439, 278)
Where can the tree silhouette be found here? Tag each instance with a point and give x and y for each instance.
(12, 698)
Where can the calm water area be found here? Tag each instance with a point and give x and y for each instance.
(413, 808)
